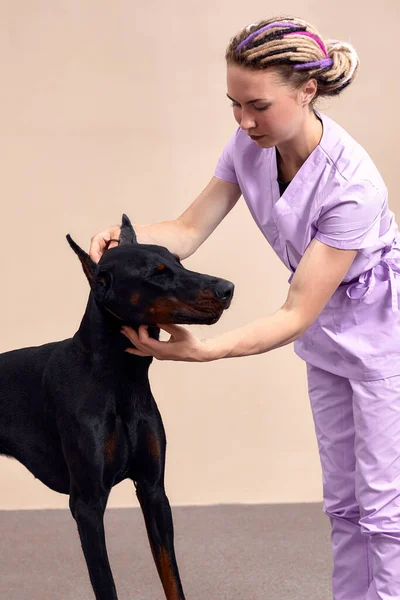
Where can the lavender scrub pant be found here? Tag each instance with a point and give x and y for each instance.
(358, 431)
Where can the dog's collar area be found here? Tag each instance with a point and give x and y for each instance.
(114, 315)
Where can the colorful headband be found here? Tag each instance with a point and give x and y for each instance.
(326, 62)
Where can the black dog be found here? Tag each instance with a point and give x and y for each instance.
(80, 415)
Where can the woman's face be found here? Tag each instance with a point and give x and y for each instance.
(270, 112)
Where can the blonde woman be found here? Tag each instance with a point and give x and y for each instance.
(322, 205)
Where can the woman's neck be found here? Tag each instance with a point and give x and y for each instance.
(292, 155)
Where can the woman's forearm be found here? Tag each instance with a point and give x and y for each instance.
(261, 335)
(174, 235)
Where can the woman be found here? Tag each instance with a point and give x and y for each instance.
(322, 205)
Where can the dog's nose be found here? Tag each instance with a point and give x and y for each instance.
(224, 290)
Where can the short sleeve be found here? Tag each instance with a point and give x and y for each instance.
(225, 167)
(353, 220)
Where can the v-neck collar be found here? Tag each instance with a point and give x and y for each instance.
(311, 159)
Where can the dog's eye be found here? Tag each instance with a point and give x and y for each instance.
(160, 270)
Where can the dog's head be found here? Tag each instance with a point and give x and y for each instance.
(145, 284)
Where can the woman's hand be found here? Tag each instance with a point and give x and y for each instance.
(101, 242)
(182, 345)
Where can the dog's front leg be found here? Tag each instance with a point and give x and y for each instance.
(89, 517)
(83, 446)
(149, 483)
(159, 525)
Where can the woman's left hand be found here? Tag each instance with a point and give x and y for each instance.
(182, 344)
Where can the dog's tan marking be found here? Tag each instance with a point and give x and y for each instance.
(154, 445)
(160, 267)
(167, 577)
(163, 308)
(110, 444)
(135, 298)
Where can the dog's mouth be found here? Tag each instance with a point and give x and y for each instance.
(194, 317)
(184, 316)
(204, 311)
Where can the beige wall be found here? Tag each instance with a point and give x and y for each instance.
(111, 107)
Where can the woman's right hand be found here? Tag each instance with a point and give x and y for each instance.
(101, 242)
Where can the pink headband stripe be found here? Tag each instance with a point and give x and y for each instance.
(265, 28)
(311, 35)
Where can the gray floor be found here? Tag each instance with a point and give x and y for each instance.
(224, 552)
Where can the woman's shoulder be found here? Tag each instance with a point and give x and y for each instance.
(346, 155)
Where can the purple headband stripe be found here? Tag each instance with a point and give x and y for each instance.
(326, 62)
(265, 28)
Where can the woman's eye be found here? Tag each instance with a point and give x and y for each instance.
(257, 108)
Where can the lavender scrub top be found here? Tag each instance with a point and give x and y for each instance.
(338, 197)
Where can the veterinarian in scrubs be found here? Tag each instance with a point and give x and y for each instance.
(322, 205)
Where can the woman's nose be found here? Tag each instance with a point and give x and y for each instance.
(247, 122)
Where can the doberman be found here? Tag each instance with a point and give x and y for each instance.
(79, 413)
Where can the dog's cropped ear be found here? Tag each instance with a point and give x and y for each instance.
(90, 268)
(128, 235)
(99, 281)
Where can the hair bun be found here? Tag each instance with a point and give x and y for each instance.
(344, 68)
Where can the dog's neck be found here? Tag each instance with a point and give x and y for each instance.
(99, 333)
